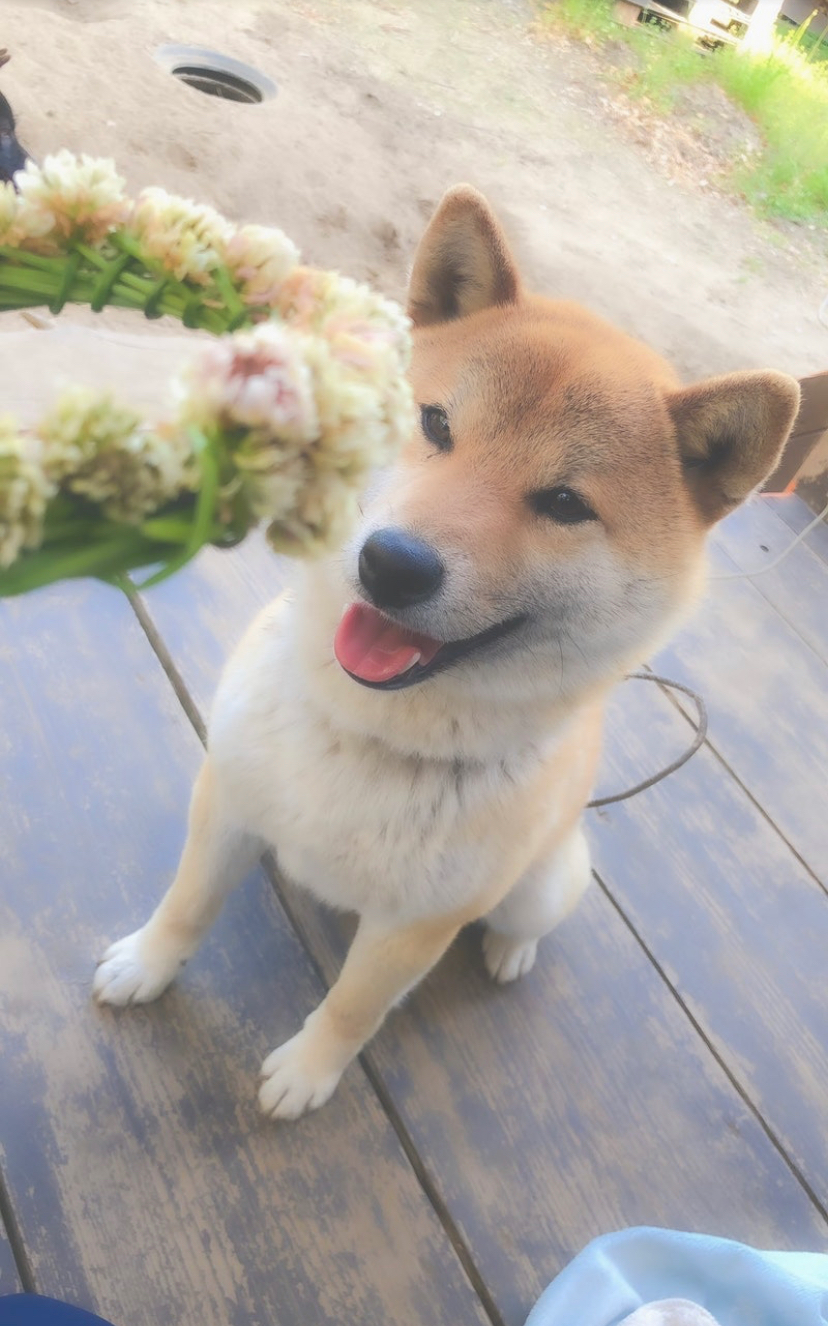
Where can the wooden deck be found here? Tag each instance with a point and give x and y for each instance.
(665, 1063)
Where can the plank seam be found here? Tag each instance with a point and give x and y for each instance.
(731, 772)
(783, 514)
(789, 622)
(419, 1169)
(719, 1058)
(429, 1187)
(16, 1243)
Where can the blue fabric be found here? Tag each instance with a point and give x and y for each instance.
(737, 1285)
(32, 1310)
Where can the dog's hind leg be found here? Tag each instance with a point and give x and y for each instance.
(541, 899)
(216, 856)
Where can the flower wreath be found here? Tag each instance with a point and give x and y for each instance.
(281, 418)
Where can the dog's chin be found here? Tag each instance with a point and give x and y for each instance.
(448, 654)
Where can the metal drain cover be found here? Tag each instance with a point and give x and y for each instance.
(215, 74)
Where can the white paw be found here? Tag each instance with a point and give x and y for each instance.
(507, 959)
(130, 972)
(296, 1078)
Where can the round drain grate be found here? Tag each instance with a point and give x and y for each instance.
(217, 83)
(216, 75)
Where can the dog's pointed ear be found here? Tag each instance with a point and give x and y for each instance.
(463, 263)
(730, 432)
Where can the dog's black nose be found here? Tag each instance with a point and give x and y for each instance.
(398, 570)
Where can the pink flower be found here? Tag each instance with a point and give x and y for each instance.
(256, 379)
(258, 260)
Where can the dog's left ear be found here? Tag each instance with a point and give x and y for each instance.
(463, 263)
(730, 432)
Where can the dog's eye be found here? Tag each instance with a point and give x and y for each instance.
(436, 426)
(562, 505)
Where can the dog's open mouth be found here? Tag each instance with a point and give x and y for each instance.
(378, 652)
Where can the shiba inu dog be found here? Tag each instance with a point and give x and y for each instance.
(416, 728)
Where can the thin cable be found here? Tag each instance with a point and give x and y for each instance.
(701, 707)
(698, 740)
(749, 575)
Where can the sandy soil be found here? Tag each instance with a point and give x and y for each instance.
(382, 105)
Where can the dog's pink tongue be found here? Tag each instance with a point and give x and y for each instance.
(372, 648)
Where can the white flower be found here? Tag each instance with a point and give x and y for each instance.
(305, 421)
(321, 518)
(23, 227)
(296, 412)
(258, 260)
(328, 303)
(72, 197)
(99, 450)
(24, 492)
(255, 379)
(187, 239)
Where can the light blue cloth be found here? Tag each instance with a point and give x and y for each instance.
(737, 1285)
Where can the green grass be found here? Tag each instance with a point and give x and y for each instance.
(784, 92)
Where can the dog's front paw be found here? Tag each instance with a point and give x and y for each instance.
(298, 1077)
(507, 959)
(134, 970)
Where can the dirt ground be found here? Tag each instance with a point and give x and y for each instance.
(382, 104)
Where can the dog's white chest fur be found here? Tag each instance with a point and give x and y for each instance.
(364, 828)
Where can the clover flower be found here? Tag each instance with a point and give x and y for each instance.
(24, 493)
(281, 421)
(254, 380)
(101, 451)
(70, 198)
(185, 238)
(258, 260)
(328, 303)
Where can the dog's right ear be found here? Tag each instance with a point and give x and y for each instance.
(463, 263)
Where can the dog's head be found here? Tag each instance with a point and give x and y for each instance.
(545, 525)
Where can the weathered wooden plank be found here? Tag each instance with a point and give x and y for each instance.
(9, 1279)
(737, 923)
(579, 1101)
(144, 1183)
(797, 589)
(767, 693)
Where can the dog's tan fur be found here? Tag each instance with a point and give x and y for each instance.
(460, 798)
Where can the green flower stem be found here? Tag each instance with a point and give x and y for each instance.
(42, 567)
(67, 280)
(31, 281)
(86, 275)
(106, 282)
(22, 258)
(232, 300)
(166, 529)
(95, 256)
(143, 282)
